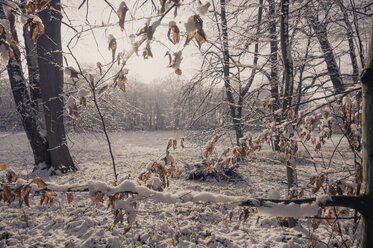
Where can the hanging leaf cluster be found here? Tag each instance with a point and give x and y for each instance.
(121, 80)
(195, 30)
(33, 23)
(35, 28)
(35, 6)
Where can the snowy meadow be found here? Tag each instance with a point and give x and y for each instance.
(187, 123)
(82, 223)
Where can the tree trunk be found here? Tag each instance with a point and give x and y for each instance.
(288, 90)
(331, 64)
(49, 49)
(273, 82)
(24, 103)
(22, 100)
(235, 113)
(350, 38)
(367, 140)
(273, 57)
(300, 83)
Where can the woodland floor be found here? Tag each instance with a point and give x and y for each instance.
(82, 224)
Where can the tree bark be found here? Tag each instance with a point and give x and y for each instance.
(22, 100)
(49, 49)
(366, 79)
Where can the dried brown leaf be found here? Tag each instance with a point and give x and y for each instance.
(200, 37)
(174, 30)
(99, 66)
(246, 214)
(123, 88)
(36, 30)
(350, 191)
(182, 143)
(118, 218)
(237, 226)
(42, 197)
(122, 10)
(83, 101)
(18, 194)
(169, 145)
(169, 57)
(8, 195)
(226, 224)
(36, 6)
(331, 190)
(26, 194)
(189, 38)
(69, 197)
(31, 8)
(11, 176)
(3, 167)
(40, 183)
(301, 193)
(112, 47)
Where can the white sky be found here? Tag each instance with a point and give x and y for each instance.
(87, 51)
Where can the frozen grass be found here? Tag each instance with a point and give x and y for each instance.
(81, 224)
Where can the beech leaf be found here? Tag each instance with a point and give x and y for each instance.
(11, 176)
(169, 57)
(189, 38)
(99, 66)
(26, 193)
(122, 10)
(200, 37)
(182, 143)
(175, 31)
(3, 167)
(8, 195)
(112, 46)
(36, 29)
(69, 197)
(40, 183)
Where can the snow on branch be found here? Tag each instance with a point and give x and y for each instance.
(286, 208)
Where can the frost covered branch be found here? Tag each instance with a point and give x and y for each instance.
(286, 208)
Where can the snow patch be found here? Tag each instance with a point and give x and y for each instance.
(289, 210)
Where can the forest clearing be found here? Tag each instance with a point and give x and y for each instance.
(181, 123)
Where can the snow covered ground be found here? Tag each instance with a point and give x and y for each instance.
(82, 224)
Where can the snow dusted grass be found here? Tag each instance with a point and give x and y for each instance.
(81, 224)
